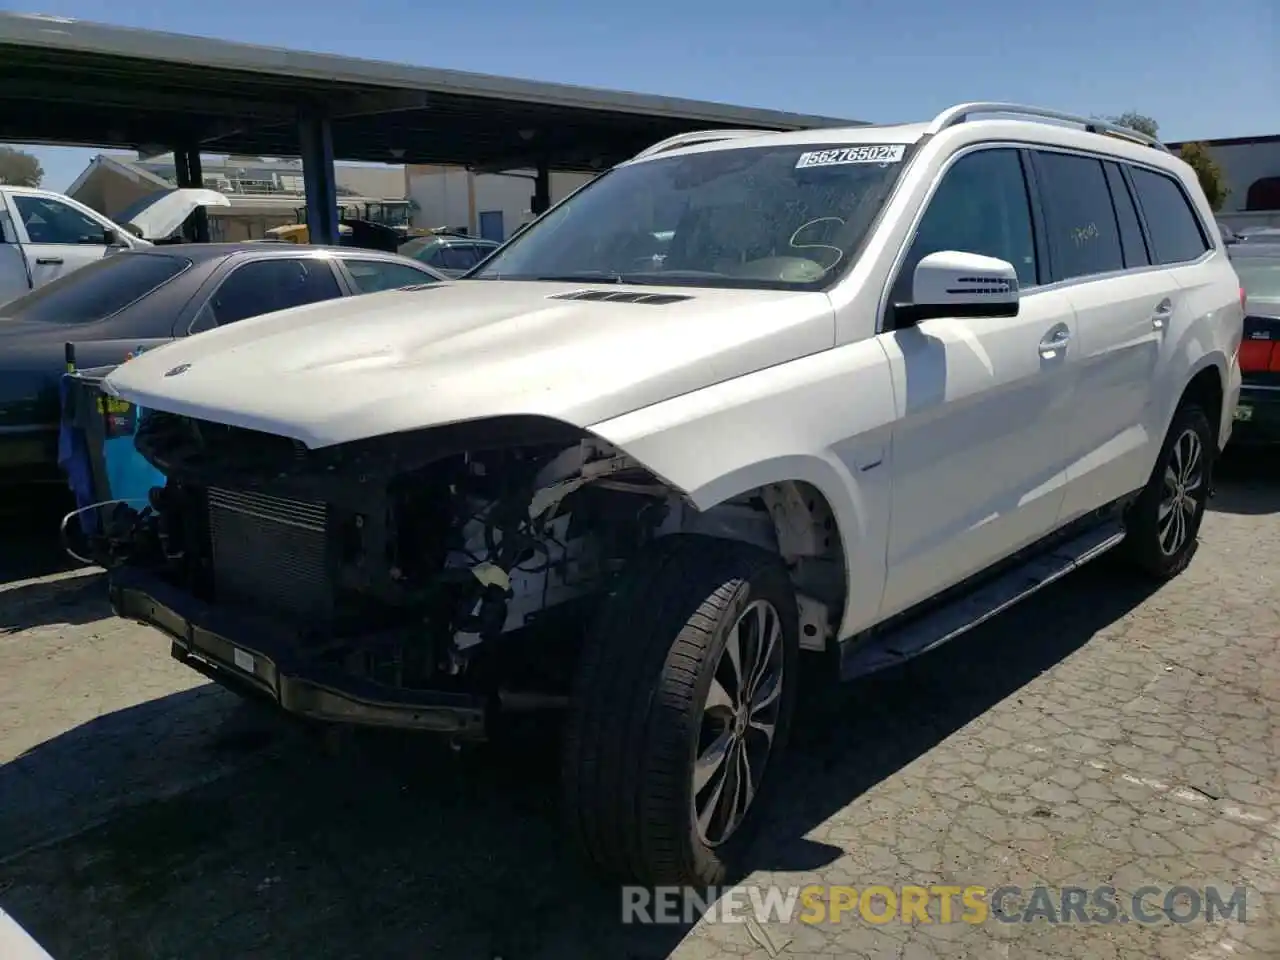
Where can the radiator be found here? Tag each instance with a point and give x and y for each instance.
(269, 554)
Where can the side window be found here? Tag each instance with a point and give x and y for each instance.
(479, 252)
(7, 233)
(370, 276)
(1084, 236)
(1174, 228)
(457, 257)
(52, 221)
(1132, 242)
(268, 285)
(979, 207)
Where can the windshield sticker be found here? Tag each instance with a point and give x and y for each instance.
(864, 153)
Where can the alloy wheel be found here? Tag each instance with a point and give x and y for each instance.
(739, 720)
(1184, 479)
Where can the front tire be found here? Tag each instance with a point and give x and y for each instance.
(1164, 522)
(682, 706)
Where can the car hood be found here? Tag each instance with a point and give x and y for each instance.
(159, 214)
(387, 362)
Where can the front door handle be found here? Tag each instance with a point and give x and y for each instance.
(1164, 311)
(1055, 343)
(48, 261)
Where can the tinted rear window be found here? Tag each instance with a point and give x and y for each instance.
(1084, 236)
(1174, 228)
(97, 291)
(1131, 240)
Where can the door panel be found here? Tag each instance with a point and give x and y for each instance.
(56, 237)
(1122, 306)
(13, 265)
(983, 405)
(491, 225)
(977, 451)
(1122, 323)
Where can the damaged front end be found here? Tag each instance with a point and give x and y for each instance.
(423, 580)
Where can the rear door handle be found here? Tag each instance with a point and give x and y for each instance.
(48, 261)
(1055, 342)
(1164, 311)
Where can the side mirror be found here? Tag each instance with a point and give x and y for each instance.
(950, 283)
(110, 237)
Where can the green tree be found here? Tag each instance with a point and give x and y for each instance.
(19, 168)
(1137, 121)
(1212, 180)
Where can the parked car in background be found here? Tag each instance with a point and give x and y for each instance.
(140, 299)
(451, 254)
(1259, 235)
(1258, 415)
(45, 235)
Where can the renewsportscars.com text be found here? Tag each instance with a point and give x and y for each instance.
(932, 904)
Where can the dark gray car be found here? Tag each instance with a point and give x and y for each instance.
(451, 254)
(138, 300)
(1257, 418)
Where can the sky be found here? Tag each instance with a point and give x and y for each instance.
(1201, 70)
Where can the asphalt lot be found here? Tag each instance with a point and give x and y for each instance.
(1101, 734)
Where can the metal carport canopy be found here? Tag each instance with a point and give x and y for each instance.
(77, 83)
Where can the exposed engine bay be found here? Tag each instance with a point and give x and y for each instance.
(465, 558)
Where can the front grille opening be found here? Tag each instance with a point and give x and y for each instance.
(270, 554)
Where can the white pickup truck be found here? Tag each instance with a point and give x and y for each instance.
(44, 235)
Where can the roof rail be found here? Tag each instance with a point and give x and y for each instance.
(695, 137)
(962, 113)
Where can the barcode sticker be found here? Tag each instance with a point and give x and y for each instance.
(243, 660)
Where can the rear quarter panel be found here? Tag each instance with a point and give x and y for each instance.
(1205, 331)
(1210, 323)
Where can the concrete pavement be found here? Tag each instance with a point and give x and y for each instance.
(1103, 734)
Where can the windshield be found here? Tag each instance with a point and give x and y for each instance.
(96, 291)
(781, 217)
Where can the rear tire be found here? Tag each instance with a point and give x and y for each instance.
(1164, 521)
(657, 703)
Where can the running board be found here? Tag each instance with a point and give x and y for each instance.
(874, 651)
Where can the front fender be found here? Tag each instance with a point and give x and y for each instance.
(825, 420)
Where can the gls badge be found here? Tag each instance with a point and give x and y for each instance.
(180, 368)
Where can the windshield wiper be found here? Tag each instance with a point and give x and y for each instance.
(586, 276)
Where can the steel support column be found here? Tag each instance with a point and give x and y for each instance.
(181, 171)
(198, 223)
(541, 201)
(316, 142)
(186, 167)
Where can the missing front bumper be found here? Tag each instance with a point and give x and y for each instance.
(210, 641)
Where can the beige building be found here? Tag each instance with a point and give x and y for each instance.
(489, 205)
(1251, 166)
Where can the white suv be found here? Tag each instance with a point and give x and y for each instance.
(745, 398)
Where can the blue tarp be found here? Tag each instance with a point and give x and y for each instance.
(73, 452)
(100, 428)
